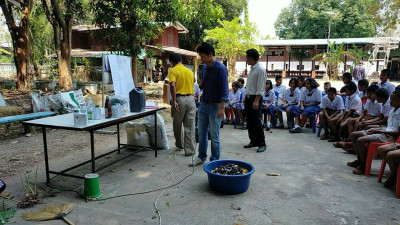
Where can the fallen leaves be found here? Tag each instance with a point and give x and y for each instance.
(273, 174)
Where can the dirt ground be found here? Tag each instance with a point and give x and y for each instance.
(25, 152)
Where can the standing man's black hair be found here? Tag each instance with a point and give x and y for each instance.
(206, 48)
(253, 54)
(175, 58)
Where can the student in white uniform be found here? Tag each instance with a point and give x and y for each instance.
(382, 96)
(372, 109)
(268, 105)
(362, 88)
(332, 108)
(309, 105)
(291, 99)
(300, 84)
(384, 77)
(233, 102)
(242, 113)
(353, 109)
(279, 87)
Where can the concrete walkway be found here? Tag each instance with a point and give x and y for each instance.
(314, 187)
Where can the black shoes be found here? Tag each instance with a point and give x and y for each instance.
(261, 148)
(250, 145)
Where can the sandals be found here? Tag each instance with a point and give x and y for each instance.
(343, 144)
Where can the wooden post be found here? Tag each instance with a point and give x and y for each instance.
(267, 62)
(284, 62)
(313, 73)
(377, 65)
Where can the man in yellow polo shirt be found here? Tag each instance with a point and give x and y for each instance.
(183, 106)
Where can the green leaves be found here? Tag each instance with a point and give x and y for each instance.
(309, 19)
(127, 24)
(6, 213)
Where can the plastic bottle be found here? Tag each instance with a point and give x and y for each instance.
(80, 119)
(107, 108)
(97, 113)
(90, 108)
(114, 110)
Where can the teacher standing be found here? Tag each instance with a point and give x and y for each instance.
(212, 106)
(252, 105)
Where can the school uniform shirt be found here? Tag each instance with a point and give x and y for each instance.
(268, 97)
(302, 89)
(197, 89)
(353, 102)
(243, 91)
(336, 104)
(280, 89)
(393, 120)
(356, 83)
(233, 97)
(291, 97)
(373, 108)
(311, 97)
(388, 86)
(362, 94)
(386, 108)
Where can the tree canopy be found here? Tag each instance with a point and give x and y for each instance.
(232, 39)
(200, 15)
(309, 19)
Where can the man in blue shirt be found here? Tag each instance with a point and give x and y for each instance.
(211, 110)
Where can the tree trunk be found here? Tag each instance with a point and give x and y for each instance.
(231, 68)
(19, 35)
(134, 71)
(64, 65)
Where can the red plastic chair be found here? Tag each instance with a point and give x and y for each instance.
(383, 165)
(364, 100)
(372, 147)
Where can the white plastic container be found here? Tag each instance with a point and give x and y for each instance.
(116, 111)
(80, 119)
(97, 113)
(90, 108)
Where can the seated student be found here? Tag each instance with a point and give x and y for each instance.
(197, 94)
(233, 100)
(382, 135)
(391, 153)
(279, 87)
(384, 77)
(291, 98)
(347, 79)
(267, 107)
(300, 84)
(241, 113)
(372, 109)
(382, 97)
(332, 108)
(309, 105)
(352, 110)
(327, 85)
(362, 88)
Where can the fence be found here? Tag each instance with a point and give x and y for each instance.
(7, 70)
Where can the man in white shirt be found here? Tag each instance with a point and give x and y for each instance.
(255, 88)
(382, 135)
(385, 74)
(332, 108)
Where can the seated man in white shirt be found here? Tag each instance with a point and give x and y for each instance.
(384, 77)
(279, 87)
(332, 109)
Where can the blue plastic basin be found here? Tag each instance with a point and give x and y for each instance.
(228, 184)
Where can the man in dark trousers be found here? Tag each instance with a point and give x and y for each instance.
(254, 90)
(212, 106)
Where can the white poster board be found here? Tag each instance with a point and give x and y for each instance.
(121, 73)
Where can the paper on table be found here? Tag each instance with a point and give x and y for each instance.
(151, 105)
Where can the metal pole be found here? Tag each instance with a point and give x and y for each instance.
(46, 156)
(92, 151)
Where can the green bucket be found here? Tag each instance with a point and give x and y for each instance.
(91, 186)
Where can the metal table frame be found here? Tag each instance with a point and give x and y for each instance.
(91, 129)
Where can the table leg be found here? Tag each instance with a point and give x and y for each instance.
(155, 132)
(46, 157)
(92, 151)
(119, 141)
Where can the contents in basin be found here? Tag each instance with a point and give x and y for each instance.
(230, 169)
